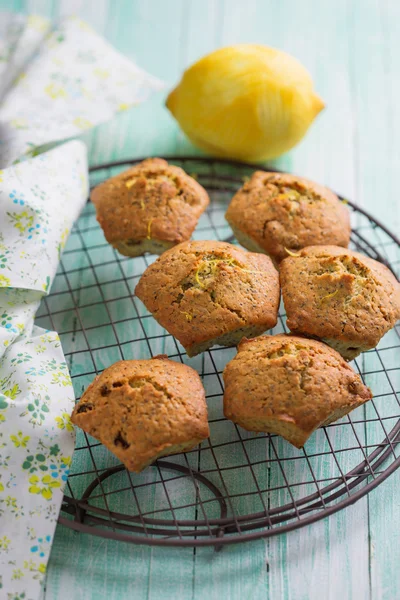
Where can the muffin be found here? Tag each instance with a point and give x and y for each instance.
(339, 296)
(289, 386)
(144, 409)
(277, 213)
(206, 293)
(149, 208)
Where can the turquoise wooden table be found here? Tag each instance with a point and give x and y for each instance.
(352, 49)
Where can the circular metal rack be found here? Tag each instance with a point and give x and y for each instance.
(237, 485)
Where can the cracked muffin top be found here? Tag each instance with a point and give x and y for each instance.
(144, 409)
(204, 290)
(278, 213)
(152, 203)
(290, 386)
(343, 297)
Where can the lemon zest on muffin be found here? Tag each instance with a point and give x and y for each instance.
(292, 253)
(344, 201)
(197, 278)
(149, 229)
(188, 316)
(293, 195)
(130, 182)
(328, 296)
(208, 267)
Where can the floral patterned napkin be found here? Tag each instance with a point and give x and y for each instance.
(20, 38)
(39, 200)
(37, 442)
(38, 215)
(74, 81)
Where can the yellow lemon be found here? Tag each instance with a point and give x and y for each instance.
(249, 102)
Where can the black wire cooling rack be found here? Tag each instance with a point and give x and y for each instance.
(237, 485)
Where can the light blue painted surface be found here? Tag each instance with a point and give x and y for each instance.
(352, 49)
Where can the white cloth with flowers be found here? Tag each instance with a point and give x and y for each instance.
(62, 81)
(76, 80)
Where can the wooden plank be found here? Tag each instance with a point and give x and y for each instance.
(330, 558)
(375, 63)
(148, 128)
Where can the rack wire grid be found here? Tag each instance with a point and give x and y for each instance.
(237, 485)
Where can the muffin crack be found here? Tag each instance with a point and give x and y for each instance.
(139, 382)
(343, 264)
(208, 268)
(293, 350)
(284, 350)
(152, 178)
(204, 276)
(264, 227)
(303, 373)
(293, 191)
(234, 311)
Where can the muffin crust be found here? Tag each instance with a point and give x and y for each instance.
(144, 409)
(208, 292)
(290, 386)
(149, 208)
(342, 297)
(278, 213)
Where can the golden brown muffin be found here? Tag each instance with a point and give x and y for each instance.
(342, 297)
(144, 409)
(278, 213)
(290, 386)
(149, 208)
(206, 293)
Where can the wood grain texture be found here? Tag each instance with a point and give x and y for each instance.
(352, 49)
